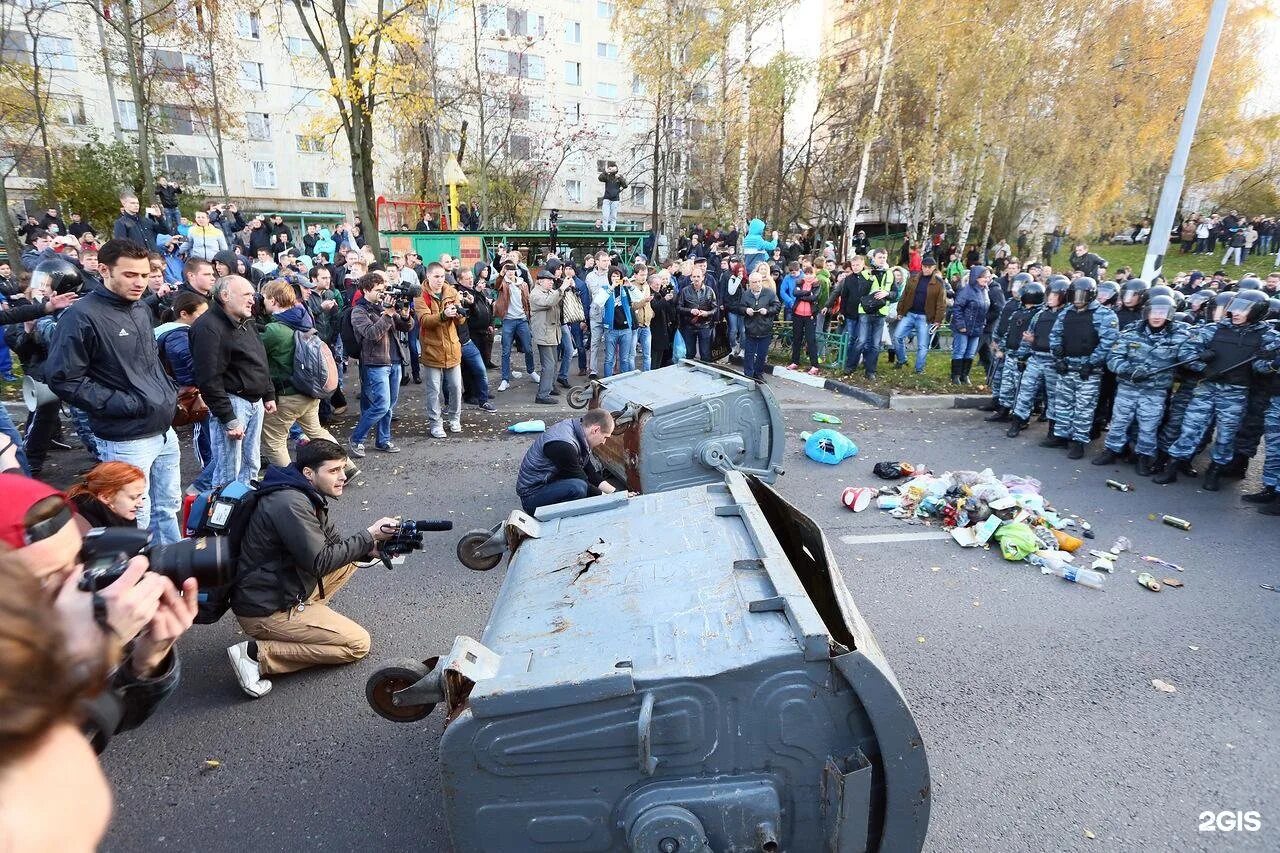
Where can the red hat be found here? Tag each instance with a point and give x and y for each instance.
(20, 494)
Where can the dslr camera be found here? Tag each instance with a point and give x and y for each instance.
(106, 553)
(400, 295)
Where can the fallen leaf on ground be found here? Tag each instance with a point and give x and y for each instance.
(1163, 686)
(1088, 834)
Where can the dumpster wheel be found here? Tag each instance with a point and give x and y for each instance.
(395, 676)
(467, 546)
(579, 396)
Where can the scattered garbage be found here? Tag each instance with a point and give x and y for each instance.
(1051, 566)
(829, 447)
(822, 418)
(1163, 686)
(1122, 544)
(1119, 486)
(1104, 561)
(1172, 583)
(857, 498)
(1147, 558)
(897, 470)
(528, 426)
(1174, 521)
(1269, 587)
(1149, 581)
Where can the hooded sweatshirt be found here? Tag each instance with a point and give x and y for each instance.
(324, 244)
(754, 242)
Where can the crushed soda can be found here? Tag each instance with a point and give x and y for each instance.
(1148, 580)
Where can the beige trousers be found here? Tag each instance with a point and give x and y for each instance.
(275, 426)
(309, 635)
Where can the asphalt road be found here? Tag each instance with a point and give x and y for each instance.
(1034, 696)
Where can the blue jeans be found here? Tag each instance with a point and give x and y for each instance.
(6, 358)
(644, 337)
(917, 324)
(870, 331)
(737, 330)
(964, 346)
(170, 220)
(566, 352)
(852, 344)
(697, 341)
(555, 492)
(237, 459)
(754, 352)
(160, 459)
(512, 329)
(580, 341)
(624, 338)
(415, 349)
(380, 387)
(7, 427)
(473, 363)
(200, 436)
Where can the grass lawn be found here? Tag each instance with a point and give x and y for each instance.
(889, 380)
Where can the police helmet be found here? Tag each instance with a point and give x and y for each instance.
(1273, 308)
(1019, 281)
(1184, 317)
(1134, 292)
(1107, 291)
(1083, 291)
(1253, 303)
(1223, 299)
(1032, 293)
(57, 276)
(1159, 307)
(1197, 300)
(1058, 285)
(1249, 282)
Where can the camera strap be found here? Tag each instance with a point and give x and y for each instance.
(44, 529)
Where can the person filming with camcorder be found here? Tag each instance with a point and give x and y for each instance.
(292, 561)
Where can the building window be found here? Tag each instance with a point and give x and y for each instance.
(573, 191)
(315, 189)
(69, 110)
(448, 56)
(56, 52)
(199, 170)
(258, 125)
(573, 32)
(605, 50)
(128, 115)
(298, 46)
(604, 9)
(251, 75)
(519, 105)
(637, 85)
(180, 121)
(308, 144)
(264, 174)
(573, 73)
(303, 97)
(518, 147)
(607, 90)
(573, 111)
(249, 25)
(639, 194)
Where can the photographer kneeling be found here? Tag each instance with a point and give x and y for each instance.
(291, 563)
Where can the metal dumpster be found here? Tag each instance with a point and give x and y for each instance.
(679, 671)
(687, 424)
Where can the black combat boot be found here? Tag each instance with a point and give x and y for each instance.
(1001, 415)
(966, 364)
(1144, 466)
(1052, 440)
(1106, 457)
(1170, 472)
(1076, 450)
(1212, 477)
(955, 371)
(1016, 427)
(1237, 468)
(1266, 496)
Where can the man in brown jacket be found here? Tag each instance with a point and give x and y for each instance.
(920, 311)
(547, 304)
(441, 351)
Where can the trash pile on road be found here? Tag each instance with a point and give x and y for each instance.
(980, 509)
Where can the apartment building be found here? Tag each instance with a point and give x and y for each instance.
(559, 58)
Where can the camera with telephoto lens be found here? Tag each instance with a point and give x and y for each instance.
(406, 537)
(107, 550)
(400, 295)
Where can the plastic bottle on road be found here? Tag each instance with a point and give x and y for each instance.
(1051, 566)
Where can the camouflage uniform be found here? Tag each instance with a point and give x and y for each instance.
(1039, 372)
(1080, 342)
(1142, 359)
(1223, 393)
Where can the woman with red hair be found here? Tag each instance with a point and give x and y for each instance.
(110, 494)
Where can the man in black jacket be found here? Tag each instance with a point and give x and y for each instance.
(103, 359)
(232, 373)
(168, 194)
(132, 225)
(698, 307)
(614, 184)
(292, 562)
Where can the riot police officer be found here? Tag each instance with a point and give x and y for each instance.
(1082, 336)
(1038, 374)
(1029, 296)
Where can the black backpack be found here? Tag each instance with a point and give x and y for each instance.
(223, 512)
(350, 343)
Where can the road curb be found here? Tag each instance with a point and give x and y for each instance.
(869, 397)
(933, 402)
(900, 402)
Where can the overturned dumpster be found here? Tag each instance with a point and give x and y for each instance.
(678, 671)
(687, 424)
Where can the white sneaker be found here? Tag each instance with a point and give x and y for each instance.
(504, 385)
(247, 673)
(437, 431)
(534, 377)
(455, 426)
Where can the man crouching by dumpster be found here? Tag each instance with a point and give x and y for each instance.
(292, 561)
(560, 466)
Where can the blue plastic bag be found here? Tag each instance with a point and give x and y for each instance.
(678, 350)
(528, 426)
(829, 446)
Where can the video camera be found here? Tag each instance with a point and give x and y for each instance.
(400, 295)
(407, 537)
(107, 550)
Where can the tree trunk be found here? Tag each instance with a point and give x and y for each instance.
(872, 121)
(935, 127)
(218, 145)
(744, 103)
(12, 245)
(995, 200)
(41, 105)
(360, 139)
(1036, 235)
(971, 206)
(907, 209)
(133, 62)
(656, 189)
(107, 76)
(480, 113)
